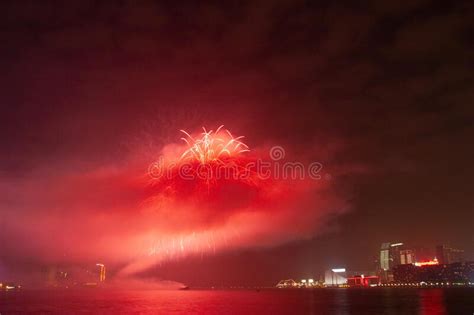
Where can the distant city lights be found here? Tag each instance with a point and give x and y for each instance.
(398, 267)
(396, 244)
(427, 263)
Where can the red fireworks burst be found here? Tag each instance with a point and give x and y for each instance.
(213, 146)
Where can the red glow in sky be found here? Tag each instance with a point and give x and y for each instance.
(200, 210)
(113, 214)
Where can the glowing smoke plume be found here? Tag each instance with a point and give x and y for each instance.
(223, 202)
(204, 210)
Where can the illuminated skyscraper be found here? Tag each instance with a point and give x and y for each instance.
(385, 256)
(448, 255)
(407, 256)
(389, 255)
(101, 272)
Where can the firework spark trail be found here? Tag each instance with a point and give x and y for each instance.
(208, 158)
(213, 146)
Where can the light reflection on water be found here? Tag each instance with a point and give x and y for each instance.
(319, 301)
(432, 302)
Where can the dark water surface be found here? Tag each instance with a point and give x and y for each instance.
(320, 301)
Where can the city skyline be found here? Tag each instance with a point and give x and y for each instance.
(62, 274)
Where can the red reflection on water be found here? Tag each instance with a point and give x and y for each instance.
(432, 302)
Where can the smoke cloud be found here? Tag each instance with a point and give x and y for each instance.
(119, 214)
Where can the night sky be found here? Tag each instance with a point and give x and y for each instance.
(380, 92)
